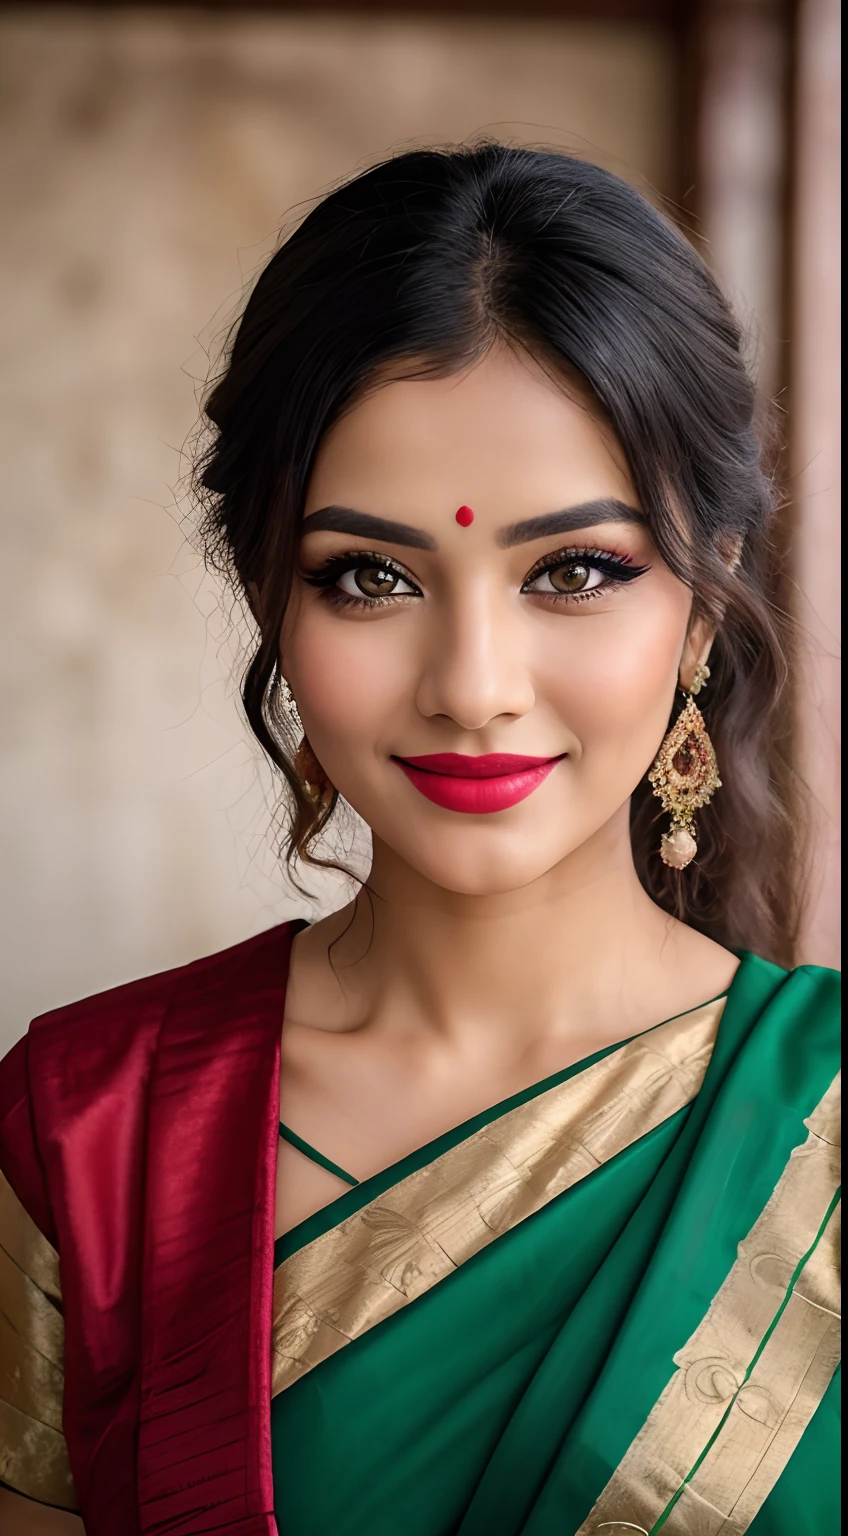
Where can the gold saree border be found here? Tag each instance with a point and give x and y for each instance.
(33, 1453)
(417, 1233)
(754, 1371)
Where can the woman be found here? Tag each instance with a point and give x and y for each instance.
(504, 1200)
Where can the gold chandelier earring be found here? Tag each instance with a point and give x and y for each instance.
(287, 704)
(684, 776)
(316, 785)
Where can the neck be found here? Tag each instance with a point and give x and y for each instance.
(572, 946)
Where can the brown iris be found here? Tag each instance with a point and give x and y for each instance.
(569, 578)
(375, 580)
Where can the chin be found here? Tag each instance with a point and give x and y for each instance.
(491, 864)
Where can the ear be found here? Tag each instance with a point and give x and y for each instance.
(696, 651)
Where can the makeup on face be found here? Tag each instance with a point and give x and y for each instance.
(359, 580)
(478, 785)
(548, 626)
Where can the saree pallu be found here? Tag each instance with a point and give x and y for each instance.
(608, 1304)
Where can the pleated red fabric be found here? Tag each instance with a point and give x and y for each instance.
(139, 1129)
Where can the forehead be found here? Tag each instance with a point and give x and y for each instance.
(500, 434)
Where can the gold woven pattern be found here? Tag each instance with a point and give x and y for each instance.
(761, 1416)
(405, 1241)
(33, 1454)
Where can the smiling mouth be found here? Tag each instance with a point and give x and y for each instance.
(476, 786)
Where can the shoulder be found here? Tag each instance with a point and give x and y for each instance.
(818, 990)
(129, 1015)
(809, 995)
(129, 1008)
(95, 1057)
(811, 991)
(813, 1006)
(788, 1023)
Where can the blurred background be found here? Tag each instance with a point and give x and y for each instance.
(149, 155)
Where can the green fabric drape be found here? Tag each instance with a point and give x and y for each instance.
(503, 1400)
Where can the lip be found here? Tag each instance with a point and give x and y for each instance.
(476, 786)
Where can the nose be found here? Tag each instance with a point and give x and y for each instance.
(475, 669)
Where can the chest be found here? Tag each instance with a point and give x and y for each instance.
(362, 1109)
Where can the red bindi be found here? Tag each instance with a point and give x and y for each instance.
(465, 517)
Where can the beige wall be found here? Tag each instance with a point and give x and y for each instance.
(815, 484)
(146, 161)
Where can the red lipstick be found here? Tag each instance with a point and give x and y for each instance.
(477, 786)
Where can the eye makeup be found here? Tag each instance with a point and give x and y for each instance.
(610, 569)
(377, 580)
(362, 564)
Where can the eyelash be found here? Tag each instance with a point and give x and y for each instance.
(617, 569)
(358, 560)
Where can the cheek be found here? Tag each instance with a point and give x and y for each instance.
(616, 690)
(349, 679)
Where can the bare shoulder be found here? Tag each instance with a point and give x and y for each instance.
(695, 967)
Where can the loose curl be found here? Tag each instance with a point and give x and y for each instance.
(419, 266)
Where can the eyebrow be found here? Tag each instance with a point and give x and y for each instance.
(365, 526)
(604, 509)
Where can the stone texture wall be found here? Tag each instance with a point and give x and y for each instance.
(146, 162)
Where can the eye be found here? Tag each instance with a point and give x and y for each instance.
(579, 574)
(570, 579)
(362, 579)
(374, 581)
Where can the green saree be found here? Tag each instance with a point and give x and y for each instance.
(608, 1304)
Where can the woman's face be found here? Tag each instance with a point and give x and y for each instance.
(546, 628)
